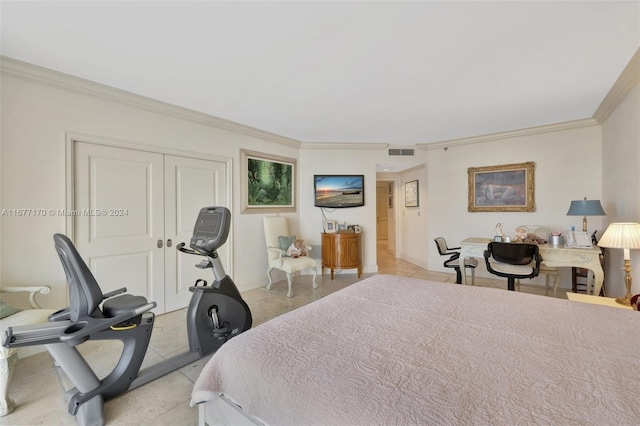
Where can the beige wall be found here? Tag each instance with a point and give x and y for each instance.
(621, 183)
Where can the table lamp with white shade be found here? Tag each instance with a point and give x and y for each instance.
(625, 236)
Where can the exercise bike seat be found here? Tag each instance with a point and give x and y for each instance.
(122, 304)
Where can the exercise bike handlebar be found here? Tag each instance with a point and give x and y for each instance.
(180, 247)
(80, 331)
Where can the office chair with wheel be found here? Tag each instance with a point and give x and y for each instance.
(454, 260)
(513, 261)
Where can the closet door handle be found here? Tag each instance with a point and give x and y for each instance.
(169, 242)
(159, 244)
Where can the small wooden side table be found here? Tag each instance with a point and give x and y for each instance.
(595, 300)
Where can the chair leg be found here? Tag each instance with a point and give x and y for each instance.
(7, 405)
(315, 272)
(458, 276)
(511, 283)
(556, 283)
(473, 276)
(269, 275)
(290, 281)
(518, 284)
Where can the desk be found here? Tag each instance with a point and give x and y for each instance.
(588, 258)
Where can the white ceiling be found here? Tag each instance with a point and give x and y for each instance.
(393, 72)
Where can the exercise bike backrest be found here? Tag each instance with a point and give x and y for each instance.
(84, 292)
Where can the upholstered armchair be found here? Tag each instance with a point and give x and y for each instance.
(278, 239)
(11, 317)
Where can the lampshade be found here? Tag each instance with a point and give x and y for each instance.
(586, 208)
(621, 235)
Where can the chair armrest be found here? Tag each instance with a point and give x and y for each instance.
(277, 250)
(32, 290)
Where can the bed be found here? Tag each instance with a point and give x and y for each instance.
(390, 350)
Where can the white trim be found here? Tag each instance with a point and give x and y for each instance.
(344, 145)
(14, 68)
(567, 125)
(629, 78)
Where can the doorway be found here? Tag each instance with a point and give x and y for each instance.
(385, 217)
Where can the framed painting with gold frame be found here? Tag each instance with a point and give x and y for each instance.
(503, 188)
(268, 183)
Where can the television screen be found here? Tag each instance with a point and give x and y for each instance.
(337, 191)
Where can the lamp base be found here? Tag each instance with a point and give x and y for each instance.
(624, 301)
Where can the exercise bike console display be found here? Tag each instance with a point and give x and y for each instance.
(211, 229)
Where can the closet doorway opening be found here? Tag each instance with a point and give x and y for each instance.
(385, 218)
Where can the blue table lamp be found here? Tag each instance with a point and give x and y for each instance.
(585, 208)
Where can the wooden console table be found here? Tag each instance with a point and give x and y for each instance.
(341, 251)
(587, 258)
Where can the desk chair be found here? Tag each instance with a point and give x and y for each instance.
(512, 261)
(454, 260)
(547, 271)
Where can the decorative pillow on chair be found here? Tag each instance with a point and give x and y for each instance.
(7, 310)
(285, 243)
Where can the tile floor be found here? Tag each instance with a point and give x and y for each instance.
(38, 387)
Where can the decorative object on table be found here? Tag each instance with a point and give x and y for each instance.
(341, 227)
(505, 188)
(556, 239)
(635, 302)
(411, 195)
(585, 208)
(625, 236)
(268, 183)
(330, 226)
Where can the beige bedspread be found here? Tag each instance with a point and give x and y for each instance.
(396, 351)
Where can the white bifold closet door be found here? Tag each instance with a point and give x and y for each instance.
(133, 208)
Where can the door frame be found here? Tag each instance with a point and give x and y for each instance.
(396, 236)
(73, 137)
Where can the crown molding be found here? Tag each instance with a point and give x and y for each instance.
(629, 78)
(567, 125)
(343, 145)
(23, 70)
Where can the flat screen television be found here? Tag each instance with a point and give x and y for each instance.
(338, 191)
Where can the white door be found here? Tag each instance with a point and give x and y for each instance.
(382, 206)
(190, 184)
(121, 250)
(135, 202)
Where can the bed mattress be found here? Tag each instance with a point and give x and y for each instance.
(391, 350)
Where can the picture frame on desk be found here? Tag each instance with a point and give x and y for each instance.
(329, 226)
(503, 188)
(341, 227)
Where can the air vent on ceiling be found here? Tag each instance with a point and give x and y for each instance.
(401, 151)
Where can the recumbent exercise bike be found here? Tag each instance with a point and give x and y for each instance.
(216, 313)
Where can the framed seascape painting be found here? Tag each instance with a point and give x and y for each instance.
(268, 183)
(504, 188)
